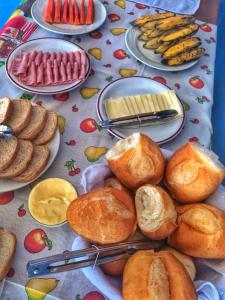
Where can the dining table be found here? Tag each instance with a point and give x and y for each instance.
(80, 132)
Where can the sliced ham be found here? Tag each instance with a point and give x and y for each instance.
(40, 74)
(32, 57)
(62, 72)
(64, 58)
(71, 58)
(56, 71)
(38, 68)
(38, 58)
(32, 75)
(49, 75)
(59, 57)
(69, 71)
(75, 71)
(14, 66)
(82, 72)
(45, 57)
(52, 56)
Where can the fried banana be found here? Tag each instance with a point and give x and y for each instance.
(184, 57)
(144, 19)
(180, 33)
(174, 22)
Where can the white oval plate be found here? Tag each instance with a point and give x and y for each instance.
(7, 185)
(50, 45)
(37, 12)
(147, 56)
(138, 85)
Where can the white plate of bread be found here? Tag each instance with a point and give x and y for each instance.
(130, 95)
(112, 209)
(46, 48)
(33, 147)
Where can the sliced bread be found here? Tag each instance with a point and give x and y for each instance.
(8, 150)
(21, 160)
(36, 124)
(49, 130)
(20, 115)
(37, 164)
(6, 107)
(7, 251)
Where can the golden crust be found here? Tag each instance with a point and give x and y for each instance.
(166, 220)
(189, 177)
(200, 231)
(105, 215)
(149, 275)
(138, 165)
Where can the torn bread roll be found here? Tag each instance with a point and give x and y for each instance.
(200, 231)
(148, 275)
(186, 260)
(136, 160)
(105, 215)
(116, 184)
(156, 212)
(193, 173)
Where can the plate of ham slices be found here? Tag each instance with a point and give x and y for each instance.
(71, 17)
(48, 66)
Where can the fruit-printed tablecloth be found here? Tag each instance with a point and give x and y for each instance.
(83, 143)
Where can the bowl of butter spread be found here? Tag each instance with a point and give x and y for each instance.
(49, 199)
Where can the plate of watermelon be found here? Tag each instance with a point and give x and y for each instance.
(70, 17)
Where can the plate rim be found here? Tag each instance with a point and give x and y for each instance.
(54, 155)
(66, 32)
(46, 92)
(145, 77)
(152, 66)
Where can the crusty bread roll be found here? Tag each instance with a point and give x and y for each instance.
(200, 231)
(116, 184)
(150, 276)
(114, 268)
(193, 173)
(187, 261)
(105, 215)
(156, 213)
(136, 160)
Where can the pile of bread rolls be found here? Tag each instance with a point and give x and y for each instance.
(133, 198)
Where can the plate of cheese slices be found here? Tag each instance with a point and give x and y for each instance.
(137, 95)
(32, 148)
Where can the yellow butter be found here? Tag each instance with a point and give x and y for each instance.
(138, 104)
(48, 201)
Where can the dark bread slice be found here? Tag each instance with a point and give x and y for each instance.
(49, 130)
(36, 124)
(21, 160)
(37, 164)
(7, 251)
(6, 107)
(8, 150)
(20, 116)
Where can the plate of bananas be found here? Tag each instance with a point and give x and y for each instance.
(165, 41)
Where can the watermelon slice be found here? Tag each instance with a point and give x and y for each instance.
(49, 12)
(90, 13)
(76, 13)
(65, 12)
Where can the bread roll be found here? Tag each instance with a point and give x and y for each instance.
(200, 231)
(156, 213)
(193, 173)
(151, 276)
(136, 160)
(187, 261)
(105, 215)
(114, 268)
(116, 184)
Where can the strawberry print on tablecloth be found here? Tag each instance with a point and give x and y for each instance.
(84, 143)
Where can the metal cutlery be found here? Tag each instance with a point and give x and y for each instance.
(95, 255)
(139, 119)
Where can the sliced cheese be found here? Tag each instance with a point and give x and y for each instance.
(138, 104)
